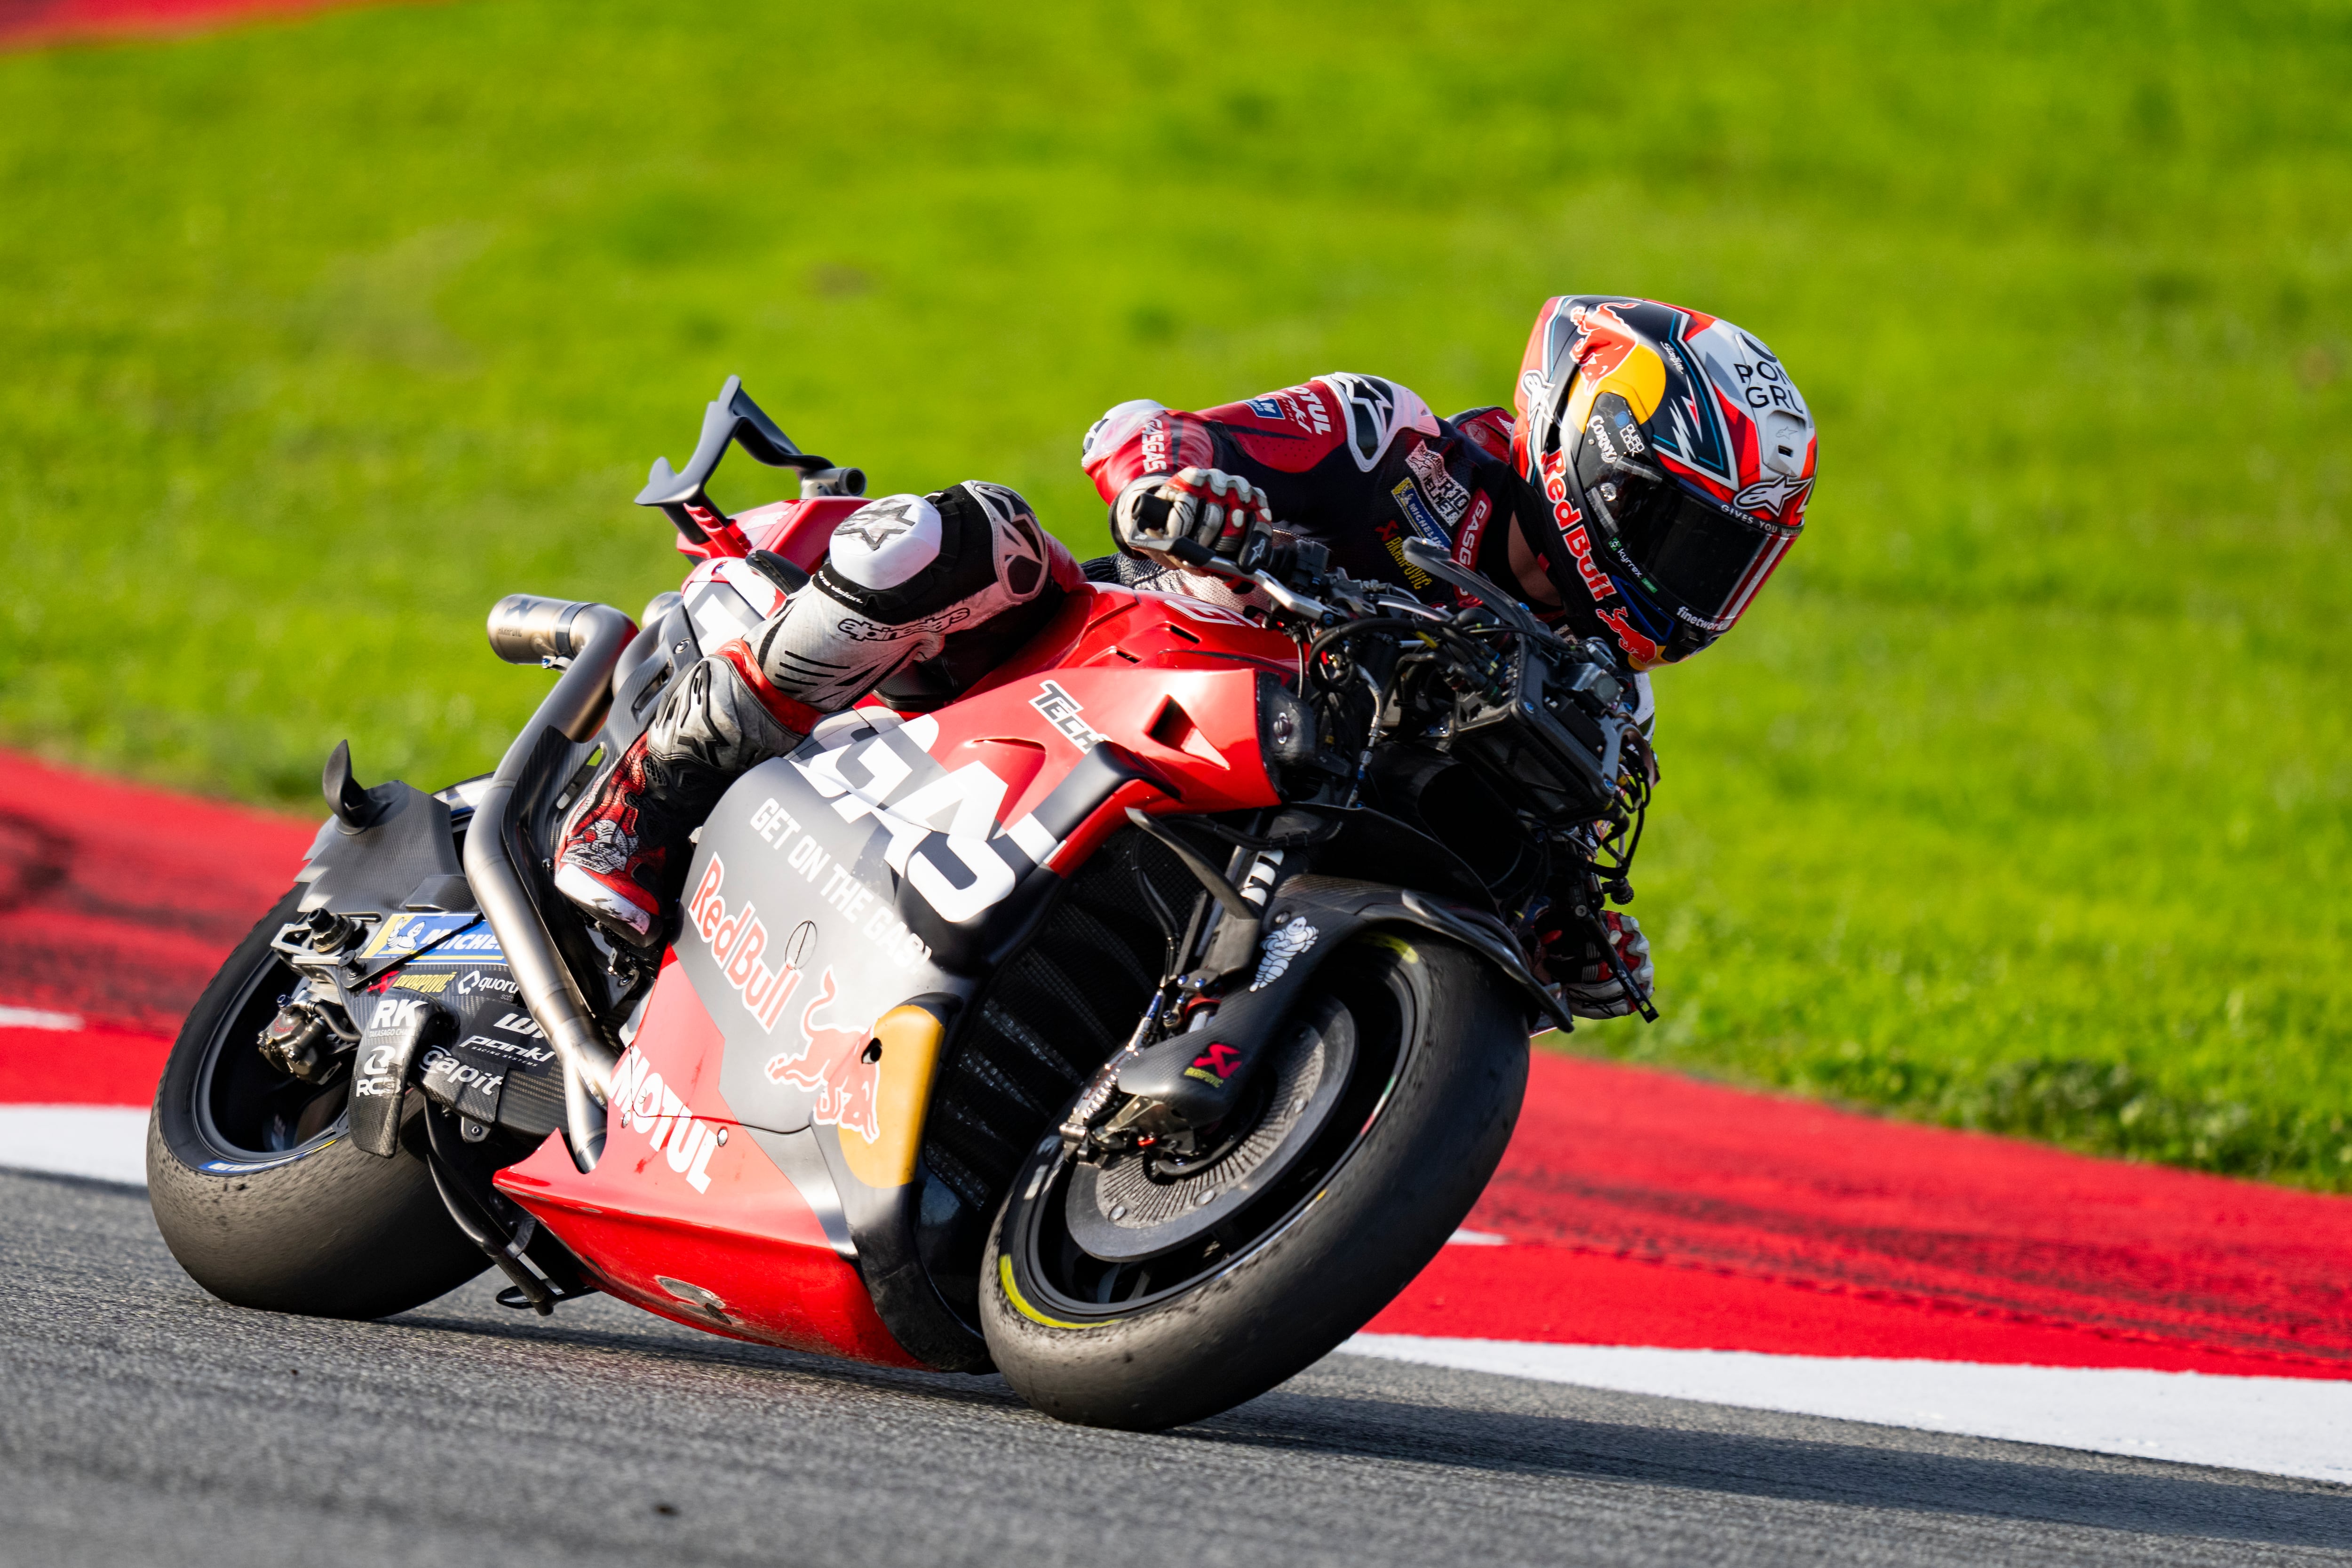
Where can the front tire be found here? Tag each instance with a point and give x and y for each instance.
(1438, 1060)
(255, 1184)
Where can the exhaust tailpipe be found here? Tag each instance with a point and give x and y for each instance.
(503, 869)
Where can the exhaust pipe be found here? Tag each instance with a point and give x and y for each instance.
(527, 629)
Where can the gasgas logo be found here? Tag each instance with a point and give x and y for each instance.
(737, 939)
(643, 1103)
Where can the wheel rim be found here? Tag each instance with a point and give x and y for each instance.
(247, 1113)
(1053, 1278)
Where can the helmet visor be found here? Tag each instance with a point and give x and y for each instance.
(1698, 557)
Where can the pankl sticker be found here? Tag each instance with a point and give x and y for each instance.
(521, 1024)
(533, 1053)
(843, 1066)
(646, 1104)
(736, 940)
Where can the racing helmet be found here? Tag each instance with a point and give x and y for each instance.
(1671, 459)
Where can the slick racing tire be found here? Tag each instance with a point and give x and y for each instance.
(257, 1187)
(1385, 1105)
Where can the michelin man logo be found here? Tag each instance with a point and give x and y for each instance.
(1282, 944)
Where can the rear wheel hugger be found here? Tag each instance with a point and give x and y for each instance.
(1383, 1213)
(319, 1227)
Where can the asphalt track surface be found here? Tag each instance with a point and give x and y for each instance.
(144, 1422)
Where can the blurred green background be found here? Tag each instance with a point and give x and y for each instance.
(2020, 800)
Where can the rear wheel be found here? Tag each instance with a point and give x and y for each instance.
(255, 1184)
(1144, 1293)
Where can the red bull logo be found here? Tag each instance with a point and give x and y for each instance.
(1596, 581)
(841, 1066)
(737, 939)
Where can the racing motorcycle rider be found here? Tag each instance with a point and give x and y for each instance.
(1656, 470)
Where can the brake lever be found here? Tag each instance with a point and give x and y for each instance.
(1440, 566)
(1195, 556)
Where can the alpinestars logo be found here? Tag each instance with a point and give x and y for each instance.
(1771, 493)
(1371, 405)
(1061, 710)
(877, 523)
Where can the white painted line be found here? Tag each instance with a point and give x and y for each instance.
(37, 1018)
(104, 1142)
(2279, 1425)
(1468, 1237)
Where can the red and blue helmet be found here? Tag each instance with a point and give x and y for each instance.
(1672, 456)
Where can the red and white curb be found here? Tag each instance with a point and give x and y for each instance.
(1647, 1232)
(2279, 1425)
(95, 1143)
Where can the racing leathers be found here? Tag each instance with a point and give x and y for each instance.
(920, 596)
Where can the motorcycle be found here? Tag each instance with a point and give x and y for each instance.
(1137, 1023)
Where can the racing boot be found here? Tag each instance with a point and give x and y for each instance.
(623, 854)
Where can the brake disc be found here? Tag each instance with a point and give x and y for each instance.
(1135, 1206)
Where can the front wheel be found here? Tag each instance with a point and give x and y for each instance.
(256, 1183)
(1144, 1293)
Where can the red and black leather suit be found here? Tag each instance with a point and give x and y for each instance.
(1353, 462)
(919, 595)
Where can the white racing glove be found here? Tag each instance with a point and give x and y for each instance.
(1588, 984)
(1215, 510)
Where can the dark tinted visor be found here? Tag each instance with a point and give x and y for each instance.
(1696, 555)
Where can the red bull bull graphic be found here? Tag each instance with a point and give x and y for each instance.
(841, 1066)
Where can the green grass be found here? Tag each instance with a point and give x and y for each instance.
(2020, 801)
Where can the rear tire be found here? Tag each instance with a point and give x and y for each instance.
(255, 1184)
(1440, 1065)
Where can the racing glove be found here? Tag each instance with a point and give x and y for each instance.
(1216, 511)
(1588, 984)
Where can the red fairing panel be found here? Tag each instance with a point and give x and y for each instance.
(684, 1194)
(1195, 724)
(799, 530)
